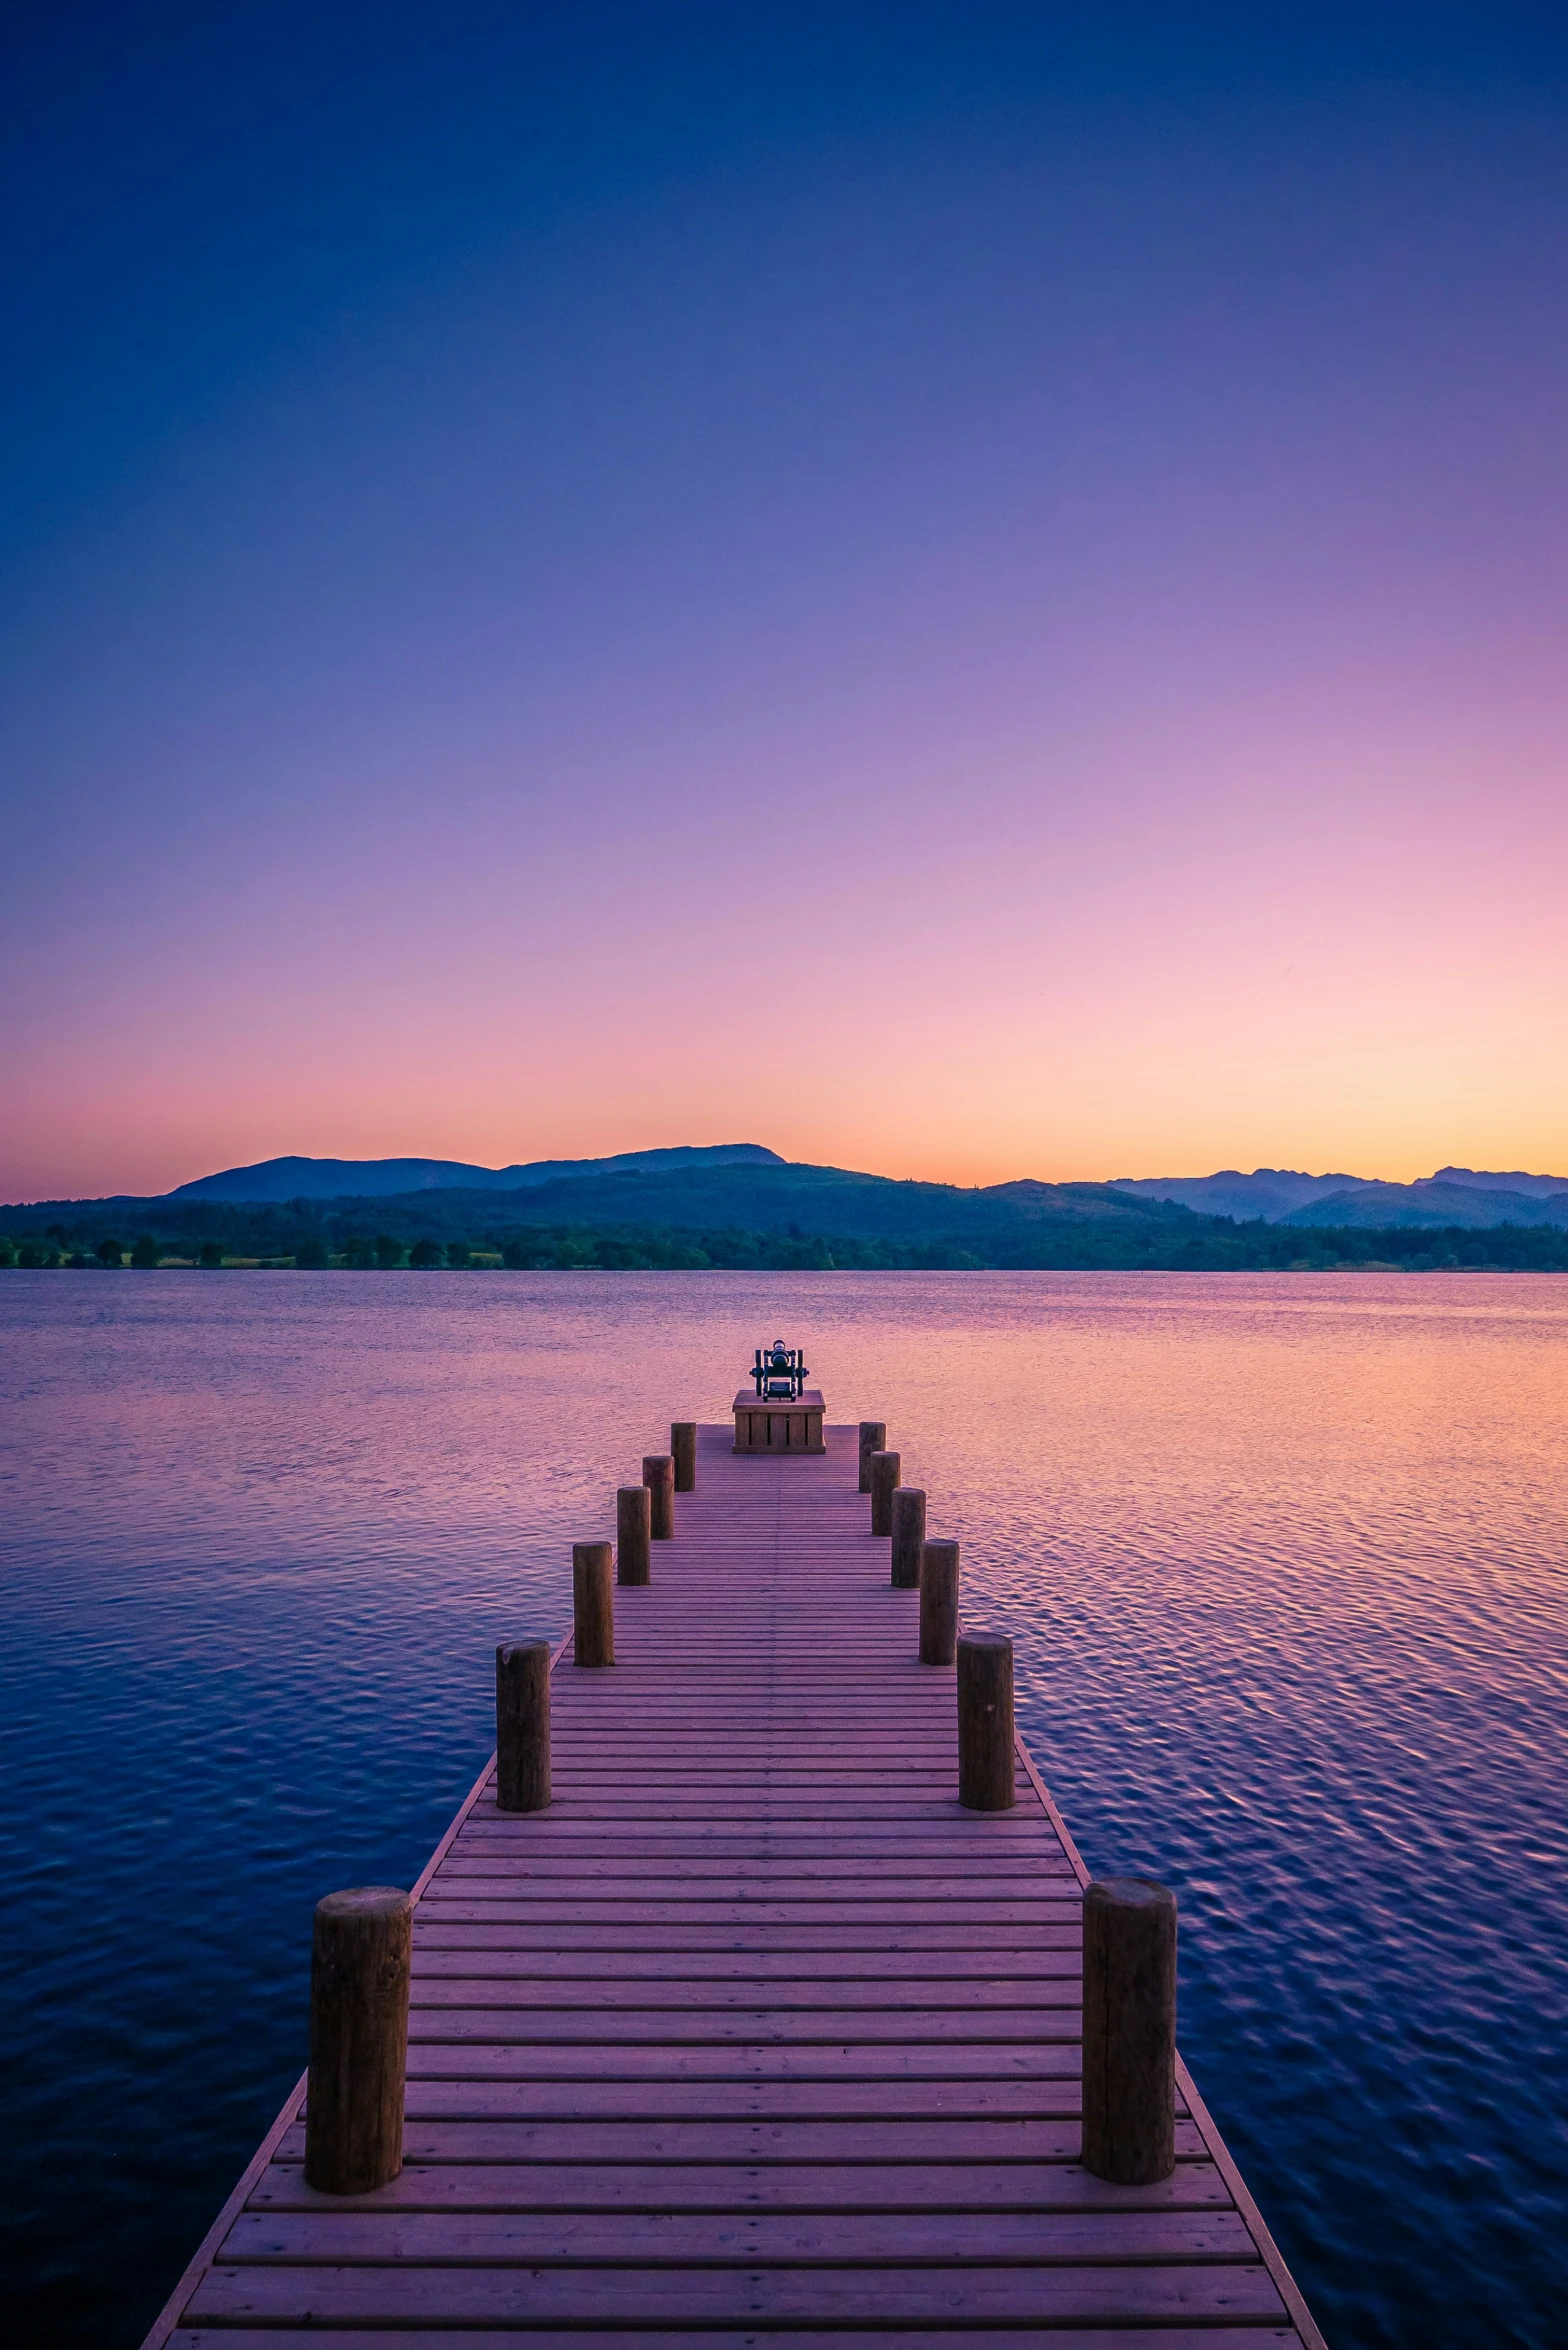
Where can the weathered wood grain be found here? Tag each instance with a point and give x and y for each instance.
(522, 1726)
(548, 2337)
(263, 2292)
(950, 2140)
(360, 1962)
(319, 2233)
(757, 2029)
(726, 2183)
(593, 1604)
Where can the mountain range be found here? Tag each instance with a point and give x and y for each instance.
(1455, 1197)
(676, 1185)
(285, 1179)
(732, 1186)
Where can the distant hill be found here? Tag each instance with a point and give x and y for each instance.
(1270, 1192)
(1429, 1206)
(721, 1193)
(1454, 1198)
(1536, 1186)
(285, 1179)
(745, 1183)
(739, 1184)
(832, 1200)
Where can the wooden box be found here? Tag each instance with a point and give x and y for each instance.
(776, 1424)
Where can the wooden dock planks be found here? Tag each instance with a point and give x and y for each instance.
(755, 2031)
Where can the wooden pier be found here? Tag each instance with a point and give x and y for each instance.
(754, 2032)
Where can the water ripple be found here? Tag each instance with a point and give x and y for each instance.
(1283, 1558)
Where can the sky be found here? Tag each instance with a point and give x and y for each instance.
(965, 591)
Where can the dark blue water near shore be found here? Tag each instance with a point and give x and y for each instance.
(1284, 1558)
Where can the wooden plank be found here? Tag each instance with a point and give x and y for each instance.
(760, 1909)
(938, 1829)
(634, 2337)
(581, 1846)
(784, 1876)
(848, 1976)
(749, 2146)
(526, 2026)
(779, 1888)
(889, 1871)
(949, 1940)
(398, 2235)
(549, 1995)
(661, 1810)
(523, 2093)
(263, 2294)
(724, 2183)
(956, 2061)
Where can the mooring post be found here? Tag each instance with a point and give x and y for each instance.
(938, 1602)
(1129, 2030)
(683, 1451)
(885, 1467)
(359, 1964)
(909, 1532)
(658, 1474)
(873, 1438)
(633, 1531)
(522, 1725)
(985, 1722)
(593, 1604)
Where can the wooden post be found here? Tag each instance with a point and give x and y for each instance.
(873, 1438)
(1129, 2030)
(522, 1725)
(683, 1450)
(658, 1474)
(938, 1603)
(359, 1964)
(909, 1532)
(633, 1529)
(593, 1604)
(885, 1468)
(985, 1722)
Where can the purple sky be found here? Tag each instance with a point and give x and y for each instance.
(969, 592)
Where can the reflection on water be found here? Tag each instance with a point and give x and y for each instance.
(1283, 1558)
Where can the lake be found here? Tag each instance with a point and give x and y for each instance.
(1284, 1559)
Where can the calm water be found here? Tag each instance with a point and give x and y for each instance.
(1285, 1564)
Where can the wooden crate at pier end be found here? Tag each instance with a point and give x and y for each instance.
(784, 1425)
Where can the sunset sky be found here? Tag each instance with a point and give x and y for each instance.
(967, 591)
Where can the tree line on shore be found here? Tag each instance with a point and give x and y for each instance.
(298, 1238)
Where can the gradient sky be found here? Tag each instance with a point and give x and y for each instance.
(962, 590)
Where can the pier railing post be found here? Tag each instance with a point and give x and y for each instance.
(683, 1451)
(359, 1967)
(938, 1602)
(1129, 2030)
(873, 1438)
(658, 1474)
(593, 1604)
(985, 1722)
(633, 1533)
(522, 1725)
(885, 1469)
(909, 1532)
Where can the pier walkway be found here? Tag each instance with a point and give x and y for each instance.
(754, 2032)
